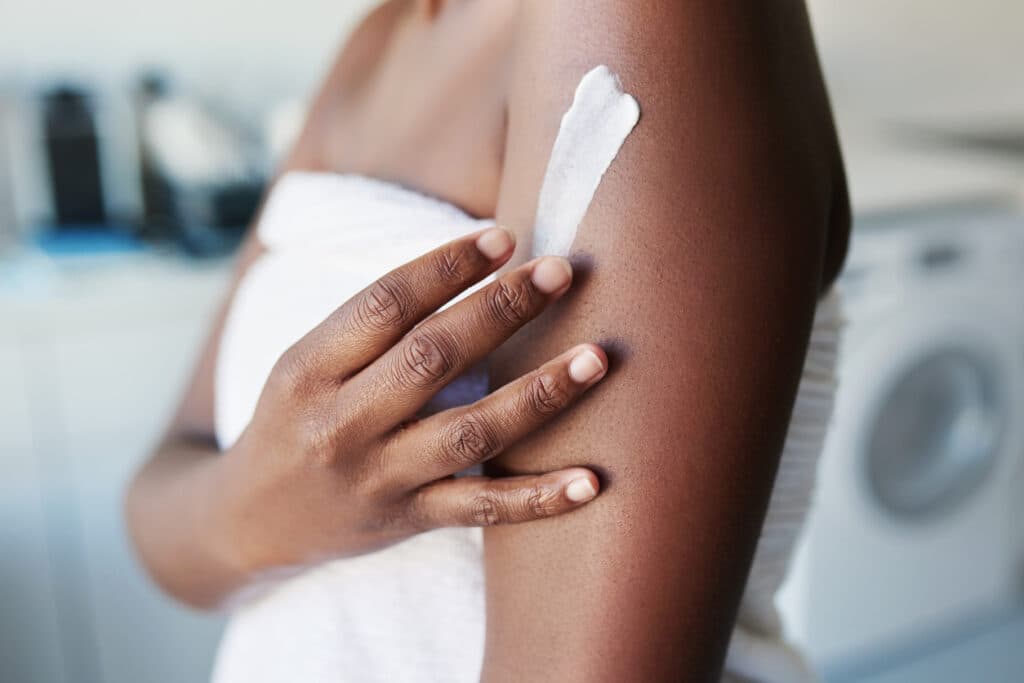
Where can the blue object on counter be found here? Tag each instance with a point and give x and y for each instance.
(87, 240)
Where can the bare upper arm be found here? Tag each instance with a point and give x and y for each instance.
(699, 264)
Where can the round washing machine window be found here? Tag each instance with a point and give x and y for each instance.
(937, 433)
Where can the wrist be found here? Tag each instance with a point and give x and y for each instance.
(217, 526)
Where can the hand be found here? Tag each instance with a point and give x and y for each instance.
(331, 465)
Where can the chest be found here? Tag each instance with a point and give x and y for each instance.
(429, 117)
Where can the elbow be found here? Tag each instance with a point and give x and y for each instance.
(840, 224)
(143, 531)
(132, 511)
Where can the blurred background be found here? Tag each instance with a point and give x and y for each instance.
(135, 139)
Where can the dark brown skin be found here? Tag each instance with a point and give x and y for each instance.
(698, 268)
(708, 243)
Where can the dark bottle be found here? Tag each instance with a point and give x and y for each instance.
(72, 150)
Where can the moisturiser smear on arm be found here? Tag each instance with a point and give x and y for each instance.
(589, 138)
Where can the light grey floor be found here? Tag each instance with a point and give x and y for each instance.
(990, 652)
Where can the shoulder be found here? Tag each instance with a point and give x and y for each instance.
(367, 43)
(734, 113)
(351, 69)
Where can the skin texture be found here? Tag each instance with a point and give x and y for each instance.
(700, 261)
(697, 269)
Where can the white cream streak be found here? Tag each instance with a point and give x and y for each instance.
(591, 134)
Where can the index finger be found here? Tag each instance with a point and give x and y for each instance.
(372, 321)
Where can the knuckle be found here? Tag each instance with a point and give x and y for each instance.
(390, 520)
(313, 427)
(293, 375)
(509, 303)
(427, 358)
(386, 304)
(452, 264)
(419, 514)
(484, 511)
(318, 443)
(468, 441)
(546, 395)
(413, 516)
(367, 476)
(541, 502)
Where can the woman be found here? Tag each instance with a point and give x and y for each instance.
(699, 265)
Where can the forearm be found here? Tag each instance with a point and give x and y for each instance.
(175, 518)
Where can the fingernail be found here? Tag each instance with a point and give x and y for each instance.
(495, 243)
(551, 274)
(586, 367)
(580, 490)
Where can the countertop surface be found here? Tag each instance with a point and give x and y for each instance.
(39, 291)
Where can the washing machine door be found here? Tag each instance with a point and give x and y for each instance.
(937, 427)
(916, 506)
(936, 388)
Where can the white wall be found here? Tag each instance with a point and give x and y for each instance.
(253, 50)
(880, 55)
(930, 58)
(872, 47)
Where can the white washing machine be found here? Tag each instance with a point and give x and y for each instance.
(918, 514)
